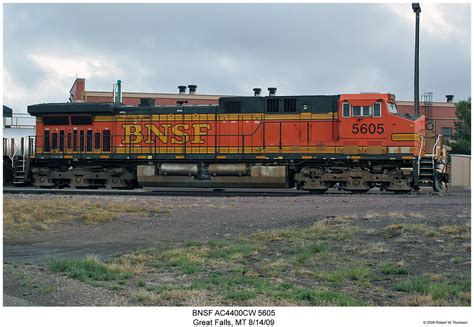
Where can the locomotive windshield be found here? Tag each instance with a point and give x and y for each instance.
(392, 107)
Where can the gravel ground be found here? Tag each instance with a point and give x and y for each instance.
(28, 282)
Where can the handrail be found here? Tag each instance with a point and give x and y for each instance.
(419, 154)
(434, 150)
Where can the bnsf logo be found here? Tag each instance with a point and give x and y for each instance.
(165, 133)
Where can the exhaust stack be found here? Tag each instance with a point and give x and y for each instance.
(272, 91)
(192, 89)
(182, 89)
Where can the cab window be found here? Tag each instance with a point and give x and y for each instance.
(377, 109)
(361, 111)
(356, 111)
(392, 107)
(346, 109)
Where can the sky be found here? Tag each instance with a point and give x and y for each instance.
(232, 48)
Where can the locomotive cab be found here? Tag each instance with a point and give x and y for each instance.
(371, 124)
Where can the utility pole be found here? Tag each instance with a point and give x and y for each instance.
(417, 9)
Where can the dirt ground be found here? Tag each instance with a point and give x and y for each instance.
(393, 241)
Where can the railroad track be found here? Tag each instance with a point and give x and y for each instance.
(195, 192)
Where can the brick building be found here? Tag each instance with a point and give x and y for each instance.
(442, 113)
(78, 93)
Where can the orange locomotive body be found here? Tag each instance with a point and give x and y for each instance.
(352, 142)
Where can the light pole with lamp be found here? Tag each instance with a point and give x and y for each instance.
(417, 9)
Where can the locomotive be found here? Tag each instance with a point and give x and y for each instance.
(352, 142)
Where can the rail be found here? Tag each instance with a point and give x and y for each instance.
(19, 120)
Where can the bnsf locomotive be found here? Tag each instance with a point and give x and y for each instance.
(352, 142)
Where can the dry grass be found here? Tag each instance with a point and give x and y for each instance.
(436, 278)
(174, 297)
(374, 248)
(394, 214)
(24, 214)
(394, 227)
(135, 262)
(419, 300)
(454, 229)
(422, 229)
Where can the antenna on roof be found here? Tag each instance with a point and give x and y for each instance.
(117, 92)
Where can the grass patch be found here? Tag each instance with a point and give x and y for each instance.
(283, 266)
(395, 215)
(145, 298)
(304, 251)
(89, 269)
(417, 284)
(437, 289)
(334, 276)
(40, 213)
(186, 264)
(241, 295)
(26, 281)
(454, 229)
(419, 229)
(358, 273)
(324, 297)
(391, 268)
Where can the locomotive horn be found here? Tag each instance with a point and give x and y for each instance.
(257, 91)
(272, 91)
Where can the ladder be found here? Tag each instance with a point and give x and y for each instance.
(19, 156)
(427, 170)
(19, 171)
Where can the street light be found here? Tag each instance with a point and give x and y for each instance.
(417, 9)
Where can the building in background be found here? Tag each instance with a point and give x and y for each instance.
(78, 93)
(443, 114)
(7, 116)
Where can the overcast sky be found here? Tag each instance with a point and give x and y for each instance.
(231, 48)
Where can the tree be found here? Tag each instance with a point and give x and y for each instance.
(461, 142)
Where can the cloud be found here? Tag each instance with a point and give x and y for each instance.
(231, 48)
(65, 66)
(59, 73)
(435, 19)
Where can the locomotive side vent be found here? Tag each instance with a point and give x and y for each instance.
(289, 105)
(272, 105)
